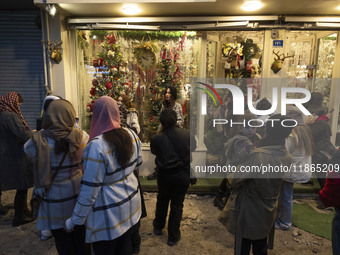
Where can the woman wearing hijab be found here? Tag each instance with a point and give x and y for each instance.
(58, 140)
(16, 169)
(109, 199)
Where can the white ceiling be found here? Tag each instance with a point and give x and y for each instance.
(103, 8)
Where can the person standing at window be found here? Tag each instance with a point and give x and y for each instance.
(169, 102)
(172, 148)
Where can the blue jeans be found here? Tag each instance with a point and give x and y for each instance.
(336, 232)
(285, 207)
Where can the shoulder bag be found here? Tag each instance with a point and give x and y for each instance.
(36, 200)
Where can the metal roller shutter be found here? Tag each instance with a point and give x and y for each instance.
(21, 61)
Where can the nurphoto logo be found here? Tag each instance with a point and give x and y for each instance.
(239, 101)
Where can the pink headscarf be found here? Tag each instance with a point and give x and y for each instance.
(105, 116)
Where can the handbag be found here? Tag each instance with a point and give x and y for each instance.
(37, 199)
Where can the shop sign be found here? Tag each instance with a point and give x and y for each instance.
(278, 43)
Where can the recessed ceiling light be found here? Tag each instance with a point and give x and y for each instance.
(251, 6)
(338, 8)
(130, 9)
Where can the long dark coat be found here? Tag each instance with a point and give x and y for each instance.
(252, 206)
(15, 167)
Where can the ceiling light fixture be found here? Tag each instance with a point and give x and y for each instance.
(51, 9)
(130, 9)
(251, 6)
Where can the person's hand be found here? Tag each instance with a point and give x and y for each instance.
(329, 115)
(69, 225)
(311, 119)
(39, 192)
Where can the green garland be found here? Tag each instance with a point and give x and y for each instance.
(100, 34)
(154, 35)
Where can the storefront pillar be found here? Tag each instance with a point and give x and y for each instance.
(199, 156)
(61, 76)
(271, 80)
(335, 91)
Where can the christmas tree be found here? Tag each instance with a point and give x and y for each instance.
(110, 78)
(168, 73)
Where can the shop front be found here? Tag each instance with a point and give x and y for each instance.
(103, 58)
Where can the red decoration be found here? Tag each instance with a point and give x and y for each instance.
(95, 63)
(111, 39)
(93, 91)
(101, 61)
(249, 66)
(95, 82)
(108, 85)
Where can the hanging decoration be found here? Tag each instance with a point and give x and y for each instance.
(145, 53)
(55, 50)
(278, 61)
(111, 73)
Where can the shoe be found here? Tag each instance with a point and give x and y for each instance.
(17, 222)
(135, 250)
(157, 232)
(152, 176)
(172, 243)
(45, 235)
(281, 227)
(218, 202)
(3, 210)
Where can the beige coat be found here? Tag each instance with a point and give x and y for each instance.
(251, 209)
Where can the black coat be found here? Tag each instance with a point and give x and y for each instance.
(172, 148)
(16, 168)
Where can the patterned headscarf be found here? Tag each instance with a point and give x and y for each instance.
(105, 116)
(10, 102)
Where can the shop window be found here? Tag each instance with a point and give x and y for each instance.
(239, 62)
(138, 64)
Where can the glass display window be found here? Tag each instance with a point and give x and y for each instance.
(139, 65)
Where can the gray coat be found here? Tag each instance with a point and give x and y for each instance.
(251, 209)
(16, 168)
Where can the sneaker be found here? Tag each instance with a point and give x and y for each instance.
(281, 227)
(157, 232)
(45, 235)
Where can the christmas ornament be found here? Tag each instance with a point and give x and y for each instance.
(111, 39)
(110, 54)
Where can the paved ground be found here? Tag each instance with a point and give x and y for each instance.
(201, 234)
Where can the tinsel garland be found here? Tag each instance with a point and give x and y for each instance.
(150, 35)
